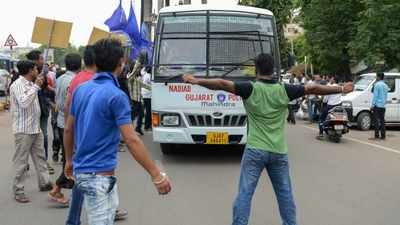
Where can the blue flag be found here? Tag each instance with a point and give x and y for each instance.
(145, 42)
(132, 28)
(118, 19)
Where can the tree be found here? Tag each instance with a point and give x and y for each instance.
(378, 33)
(282, 12)
(330, 26)
(60, 53)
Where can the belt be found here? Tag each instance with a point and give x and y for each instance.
(109, 173)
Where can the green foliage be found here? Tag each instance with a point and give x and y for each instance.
(378, 33)
(282, 12)
(330, 26)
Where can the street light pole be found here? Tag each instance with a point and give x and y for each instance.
(141, 12)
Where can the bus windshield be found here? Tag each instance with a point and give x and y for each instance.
(212, 43)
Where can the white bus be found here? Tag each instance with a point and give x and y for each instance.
(211, 42)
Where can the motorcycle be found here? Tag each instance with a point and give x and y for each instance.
(336, 124)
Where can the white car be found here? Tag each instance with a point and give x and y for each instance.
(358, 103)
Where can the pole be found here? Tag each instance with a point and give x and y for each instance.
(141, 12)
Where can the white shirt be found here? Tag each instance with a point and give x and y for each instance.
(334, 99)
(311, 96)
(25, 108)
(146, 79)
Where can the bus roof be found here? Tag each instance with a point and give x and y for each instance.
(235, 8)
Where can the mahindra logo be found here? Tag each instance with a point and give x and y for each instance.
(217, 114)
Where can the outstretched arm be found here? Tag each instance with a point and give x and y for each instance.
(316, 89)
(213, 84)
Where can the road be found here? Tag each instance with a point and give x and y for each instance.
(352, 183)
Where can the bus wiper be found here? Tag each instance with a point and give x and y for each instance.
(236, 67)
(173, 77)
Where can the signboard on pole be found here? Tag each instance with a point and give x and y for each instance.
(53, 33)
(10, 42)
(98, 34)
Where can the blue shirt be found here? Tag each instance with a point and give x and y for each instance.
(380, 94)
(99, 108)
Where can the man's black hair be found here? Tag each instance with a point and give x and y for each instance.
(380, 75)
(73, 62)
(264, 64)
(34, 55)
(24, 66)
(108, 52)
(88, 56)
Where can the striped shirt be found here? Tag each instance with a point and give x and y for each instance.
(25, 108)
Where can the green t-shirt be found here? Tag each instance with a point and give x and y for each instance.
(266, 107)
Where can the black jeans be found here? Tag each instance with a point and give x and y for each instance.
(379, 119)
(324, 114)
(138, 114)
(147, 117)
(62, 181)
(291, 117)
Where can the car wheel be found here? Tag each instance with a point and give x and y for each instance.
(364, 121)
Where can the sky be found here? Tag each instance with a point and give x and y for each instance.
(17, 17)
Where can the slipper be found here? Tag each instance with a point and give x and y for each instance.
(59, 198)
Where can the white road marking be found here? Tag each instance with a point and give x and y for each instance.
(363, 142)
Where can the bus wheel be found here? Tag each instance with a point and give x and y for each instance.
(167, 148)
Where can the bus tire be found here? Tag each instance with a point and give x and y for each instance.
(167, 148)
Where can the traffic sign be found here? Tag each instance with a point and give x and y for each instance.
(10, 42)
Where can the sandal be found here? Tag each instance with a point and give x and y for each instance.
(51, 169)
(59, 198)
(21, 198)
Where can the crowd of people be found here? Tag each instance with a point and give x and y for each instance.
(319, 106)
(98, 97)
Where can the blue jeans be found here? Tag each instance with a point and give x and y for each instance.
(277, 165)
(74, 214)
(100, 197)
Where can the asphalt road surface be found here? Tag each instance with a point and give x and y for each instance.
(355, 182)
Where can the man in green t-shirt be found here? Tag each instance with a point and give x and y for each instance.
(265, 101)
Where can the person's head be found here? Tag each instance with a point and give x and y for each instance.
(380, 75)
(264, 65)
(317, 77)
(28, 69)
(36, 56)
(332, 79)
(109, 56)
(88, 57)
(73, 62)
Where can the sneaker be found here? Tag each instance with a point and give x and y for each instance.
(21, 198)
(139, 132)
(47, 187)
(120, 214)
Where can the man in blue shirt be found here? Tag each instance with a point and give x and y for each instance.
(99, 113)
(380, 91)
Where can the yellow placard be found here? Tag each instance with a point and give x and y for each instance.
(53, 33)
(98, 34)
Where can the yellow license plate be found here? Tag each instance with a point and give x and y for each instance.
(217, 138)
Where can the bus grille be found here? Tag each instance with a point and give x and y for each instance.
(209, 121)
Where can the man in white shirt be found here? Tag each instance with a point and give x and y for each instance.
(25, 112)
(146, 94)
(331, 101)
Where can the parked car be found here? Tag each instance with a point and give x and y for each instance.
(358, 103)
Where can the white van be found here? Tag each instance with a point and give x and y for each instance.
(358, 103)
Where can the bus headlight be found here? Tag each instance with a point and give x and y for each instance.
(170, 120)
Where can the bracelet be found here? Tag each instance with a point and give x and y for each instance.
(164, 177)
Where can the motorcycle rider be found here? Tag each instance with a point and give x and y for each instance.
(332, 101)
